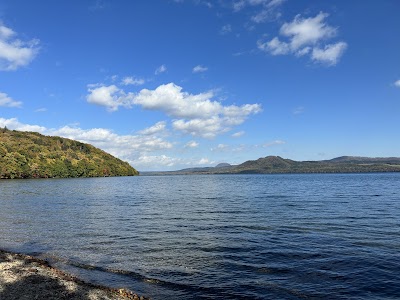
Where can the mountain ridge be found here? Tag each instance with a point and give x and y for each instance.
(277, 164)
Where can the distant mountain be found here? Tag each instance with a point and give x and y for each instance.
(32, 155)
(223, 165)
(277, 164)
(358, 159)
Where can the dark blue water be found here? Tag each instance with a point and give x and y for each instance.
(215, 237)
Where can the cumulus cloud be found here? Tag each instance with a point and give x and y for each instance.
(7, 101)
(160, 69)
(199, 69)
(306, 36)
(397, 83)
(194, 114)
(15, 53)
(110, 96)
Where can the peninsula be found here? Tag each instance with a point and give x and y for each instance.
(33, 155)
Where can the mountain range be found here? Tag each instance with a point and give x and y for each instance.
(277, 164)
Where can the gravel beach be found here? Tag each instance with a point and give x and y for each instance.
(25, 277)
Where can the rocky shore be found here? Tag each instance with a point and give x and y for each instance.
(25, 277)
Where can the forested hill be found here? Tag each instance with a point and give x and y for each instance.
(32, 155)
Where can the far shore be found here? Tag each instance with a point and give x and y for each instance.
(26, 277)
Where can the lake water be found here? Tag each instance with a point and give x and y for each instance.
(315, 236)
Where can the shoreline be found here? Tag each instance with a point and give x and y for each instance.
(26, 277)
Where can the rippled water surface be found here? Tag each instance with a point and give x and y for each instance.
(215, 237)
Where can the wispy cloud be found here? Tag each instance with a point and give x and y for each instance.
(15, 53)
(42, 109)
(155, 129)
(226, 29)
(274, 143)
(133, 81)
(306, 36)
(267, 12)
(160, 69)
(199, 69)
(397, 83)
(7, 101)
(298, 110)
(220, 148)
(192, 144)
(238, 134)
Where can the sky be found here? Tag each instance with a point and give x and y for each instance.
(172, 84)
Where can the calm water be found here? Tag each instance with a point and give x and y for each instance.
(215, 237)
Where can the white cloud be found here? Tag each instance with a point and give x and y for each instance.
(330, 54)
(14, 124)
(43, 109)
(192, 144)
(199, 69)
(156, 128)
(170, 99)
(397, 83)
(15, 53)
(206, 128)
(308, 31)
(7, 101)
(109, 96)
(220, 147)
(195, 114)
(306, 36)
(238, 134)
(204, 161)
(133, 81)
(160, 69)
(274, 46)
(149, 161)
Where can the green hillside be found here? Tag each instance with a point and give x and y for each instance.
(32, 155)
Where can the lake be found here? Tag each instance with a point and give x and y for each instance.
(309, 236)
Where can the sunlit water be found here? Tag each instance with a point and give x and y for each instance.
(215, 237)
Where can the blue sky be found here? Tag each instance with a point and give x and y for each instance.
(166, 85)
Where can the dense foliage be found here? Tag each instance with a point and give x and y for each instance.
(32, 155)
